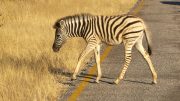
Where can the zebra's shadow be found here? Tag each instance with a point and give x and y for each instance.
(135, 81)
(107, 80)
(91, 78)
(59, 71)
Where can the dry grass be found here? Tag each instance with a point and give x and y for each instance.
(26, 37)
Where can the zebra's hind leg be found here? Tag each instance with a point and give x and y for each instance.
(97, 55)
(87, 50)
(146, 56)
(128, 52)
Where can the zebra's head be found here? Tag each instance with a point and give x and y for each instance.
(60, 35)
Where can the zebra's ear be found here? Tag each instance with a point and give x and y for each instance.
(59, 24)
(56, 25)
(62, 22)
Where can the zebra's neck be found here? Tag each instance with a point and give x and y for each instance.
(79, 26)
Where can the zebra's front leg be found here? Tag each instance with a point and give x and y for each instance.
(87, 50)
(97, 55)
(128, 58)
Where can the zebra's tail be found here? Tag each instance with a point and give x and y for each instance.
(148, 36)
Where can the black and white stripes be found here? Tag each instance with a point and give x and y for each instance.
(112, 30)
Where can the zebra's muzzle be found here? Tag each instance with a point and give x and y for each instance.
(55, 49)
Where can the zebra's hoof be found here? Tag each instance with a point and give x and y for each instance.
(97, 81)
(73, 78)
(154, 82)
(116, 82)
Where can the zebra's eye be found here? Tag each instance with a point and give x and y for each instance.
(58, 35)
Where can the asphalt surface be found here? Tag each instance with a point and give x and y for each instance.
(163, 19)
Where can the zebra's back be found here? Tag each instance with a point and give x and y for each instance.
(112, 29)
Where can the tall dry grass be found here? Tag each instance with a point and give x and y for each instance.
(26, 37)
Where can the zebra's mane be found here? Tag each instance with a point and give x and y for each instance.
(76, 15)
(85, 15)
(57, 25)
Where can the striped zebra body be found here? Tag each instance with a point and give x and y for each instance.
(112, 30)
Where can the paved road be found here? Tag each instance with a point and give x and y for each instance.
(163, 19)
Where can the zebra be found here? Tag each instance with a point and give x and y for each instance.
(112, 30)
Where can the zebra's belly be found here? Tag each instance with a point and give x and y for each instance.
(113, 42)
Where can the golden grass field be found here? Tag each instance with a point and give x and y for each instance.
(26, 38)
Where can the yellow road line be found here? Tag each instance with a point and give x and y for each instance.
(76, 93)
